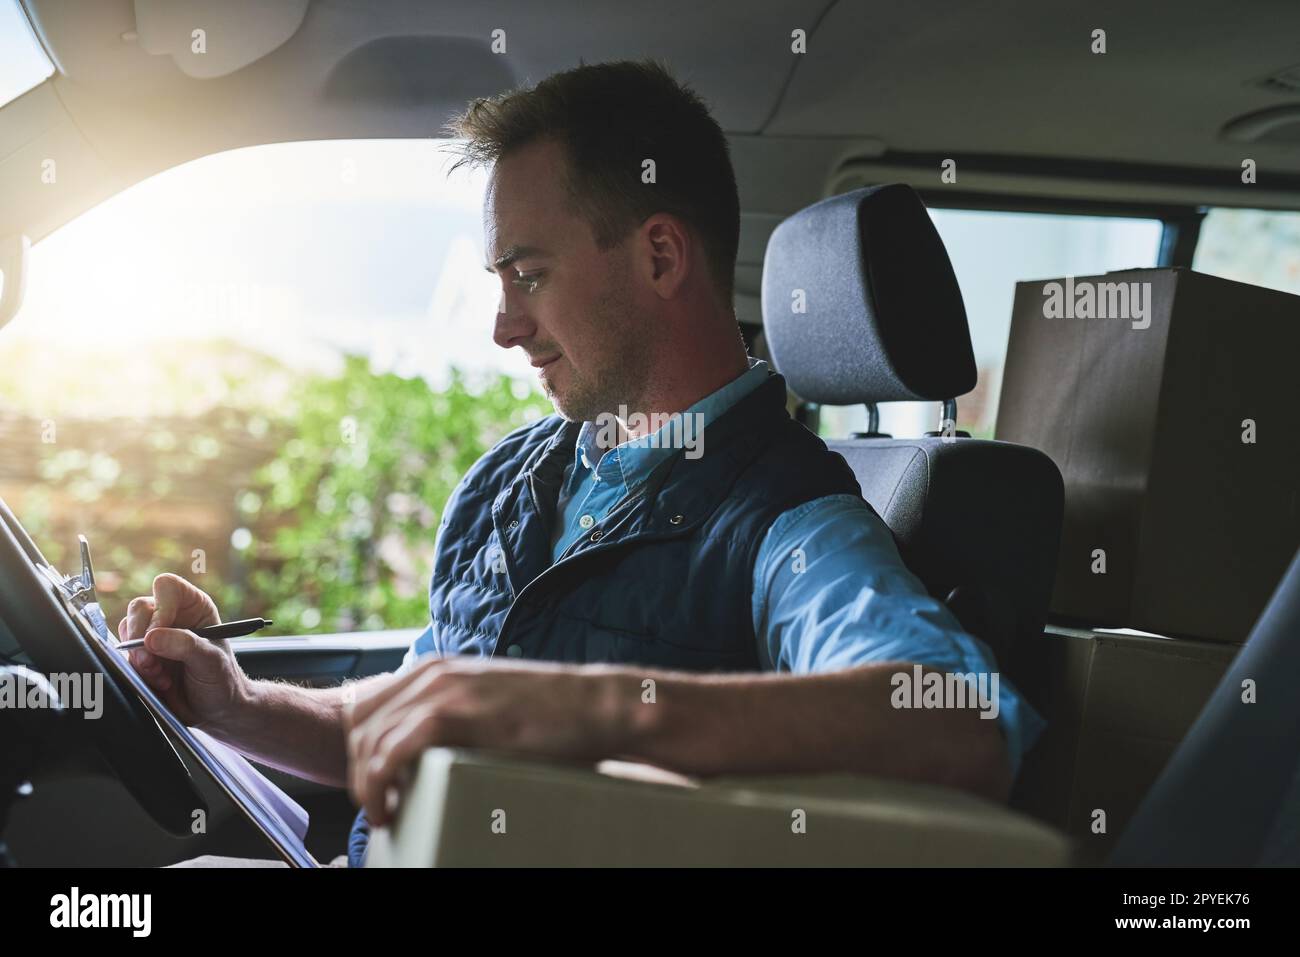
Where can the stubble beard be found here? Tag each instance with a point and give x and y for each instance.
(621, 379)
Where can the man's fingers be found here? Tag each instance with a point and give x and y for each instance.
(170, 593)
(151, 669)
(444, 719)
(176, 644)
(386, 770)
(354, 690)
(363, 740)
(367, 697)
(386, 705)
(138, 614)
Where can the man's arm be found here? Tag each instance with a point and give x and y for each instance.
(838, 721)
(835, 611)
(298, 730)
(831, 593)
(701, 725)
(301, 730)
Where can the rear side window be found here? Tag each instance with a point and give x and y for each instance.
(1257, 246)
(991, 251)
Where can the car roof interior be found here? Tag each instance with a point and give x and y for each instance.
(883, 94)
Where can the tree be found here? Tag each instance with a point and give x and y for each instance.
(343, 519)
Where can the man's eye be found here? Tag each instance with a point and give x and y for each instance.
(528, 282)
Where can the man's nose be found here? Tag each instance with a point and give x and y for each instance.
(513, 322)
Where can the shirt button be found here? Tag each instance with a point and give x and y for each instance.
(586, 521)
(512, 526)
(514, 651)
(677, 519)
(597, 535)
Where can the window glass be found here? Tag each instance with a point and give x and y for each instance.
(264, 370)
(991, 251)
(23, 63)
(1257, 246)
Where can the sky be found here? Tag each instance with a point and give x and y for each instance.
(299, 250)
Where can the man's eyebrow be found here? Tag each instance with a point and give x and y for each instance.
(512, 253)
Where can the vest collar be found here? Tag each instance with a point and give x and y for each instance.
(680, 493)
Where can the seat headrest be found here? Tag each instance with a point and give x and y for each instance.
(860, 303)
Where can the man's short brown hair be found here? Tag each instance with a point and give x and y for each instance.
(610, 118)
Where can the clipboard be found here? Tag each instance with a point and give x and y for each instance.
(248, 789)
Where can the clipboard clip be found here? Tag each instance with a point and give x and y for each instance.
(80, 588)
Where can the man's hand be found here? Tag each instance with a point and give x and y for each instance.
(199, 680)
(561, 711)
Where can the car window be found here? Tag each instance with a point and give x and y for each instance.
(23, 62)
(991, 251)
(267, 369)
(1256, 246)
(264, 370)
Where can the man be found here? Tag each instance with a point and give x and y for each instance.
(584, 557)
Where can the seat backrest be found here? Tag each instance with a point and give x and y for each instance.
(861, 305)
(973, 520)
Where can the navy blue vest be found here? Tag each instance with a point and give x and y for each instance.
(665, 580)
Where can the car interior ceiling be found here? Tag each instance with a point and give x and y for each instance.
(855, 114)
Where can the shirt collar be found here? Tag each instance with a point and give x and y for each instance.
(633, 461)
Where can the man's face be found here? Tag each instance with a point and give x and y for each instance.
(563, 298)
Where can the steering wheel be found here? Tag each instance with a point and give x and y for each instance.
(58, 637)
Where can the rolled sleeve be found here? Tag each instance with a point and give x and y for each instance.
(831, 592)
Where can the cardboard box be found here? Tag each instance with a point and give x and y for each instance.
(1117, 706)
(476, 809)
(1168, 400)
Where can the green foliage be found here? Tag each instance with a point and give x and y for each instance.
(347, 512)
(310, 498)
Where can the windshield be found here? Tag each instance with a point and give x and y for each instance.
(264, 370)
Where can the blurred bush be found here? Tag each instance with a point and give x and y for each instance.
(312, 498)
(343, 519)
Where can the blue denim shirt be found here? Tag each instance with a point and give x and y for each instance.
(830, 590)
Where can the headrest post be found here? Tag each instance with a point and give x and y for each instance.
(948, 422)
(873, 424)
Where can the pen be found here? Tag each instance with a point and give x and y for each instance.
(229, 629)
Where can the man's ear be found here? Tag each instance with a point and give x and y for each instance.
(667, 251)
